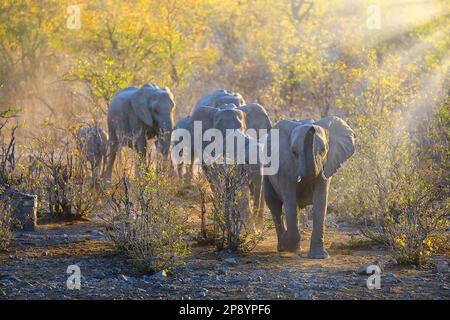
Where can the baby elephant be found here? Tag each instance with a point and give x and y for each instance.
(93, 143)
(310, 154)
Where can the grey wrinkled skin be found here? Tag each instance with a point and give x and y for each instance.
(93, 143)
(219, 98)
(187, 124)
(136, 115)
(255, 118)
(231, 117)
(313, 152)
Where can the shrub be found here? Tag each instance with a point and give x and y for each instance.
(395, 193)
(229, 198)
(145, 223)
(6, 224)
(7, 147)
(7, 167)
(206, 234)
(57, 170)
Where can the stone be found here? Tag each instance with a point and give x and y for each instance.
(230, 261)
(24, 209)
(363, 269)
(221, 270)
(161, 275)
(389, 277)
(235, 278)
(441, 266)
(146, 278)
(203, 292)
(386, 289)
(10, 277)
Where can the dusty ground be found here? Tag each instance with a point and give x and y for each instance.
(36, 266)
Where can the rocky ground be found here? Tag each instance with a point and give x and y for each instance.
(35, 268)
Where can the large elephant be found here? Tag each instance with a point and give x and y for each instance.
(226, 118)
(310, 153)
(136, 115)
(93, 143)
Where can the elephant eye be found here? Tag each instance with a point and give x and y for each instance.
(295, 153)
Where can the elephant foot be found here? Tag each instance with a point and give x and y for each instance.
(289, 243)
(318, 253)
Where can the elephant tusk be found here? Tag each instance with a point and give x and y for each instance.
(299, 178)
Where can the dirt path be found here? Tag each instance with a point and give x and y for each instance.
(36, 268)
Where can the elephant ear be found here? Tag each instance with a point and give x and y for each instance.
(252, 150)
(243, 117)
(286, 126)
(140, 104)
(205, 115)
(341, 143)
(240, 99)
(170, 96)
(256, 116)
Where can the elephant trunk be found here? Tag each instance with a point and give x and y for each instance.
(313, 158)
(164, 137)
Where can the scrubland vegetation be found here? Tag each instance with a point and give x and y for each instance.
(299, 59)
(145, 221)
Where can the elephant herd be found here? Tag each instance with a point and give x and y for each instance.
(308, 152)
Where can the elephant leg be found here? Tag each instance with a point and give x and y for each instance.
(320, 198)
(275, 207)
(94, 170)
(180, 171)
(291, 238)
(141, 148)
(111, 158)
(190, 169)
(256, 192)
(245, 209)
(260, 212)
(102, 165)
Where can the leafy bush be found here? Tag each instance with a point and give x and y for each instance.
(144, 222)
(394, 192)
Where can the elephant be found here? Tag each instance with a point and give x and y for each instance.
(230, 117)
(136, 115)
(310, 154)
(93, 143)
(187, 124)
(256, 118)
(219, 98)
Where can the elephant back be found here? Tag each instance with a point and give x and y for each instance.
(93, 141)
(124, 96)
(219, 98)
(184, 123)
